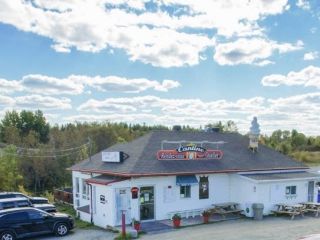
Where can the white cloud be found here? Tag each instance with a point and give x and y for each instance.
(311, 56)
(34, 102)
(283, 113)
(304, 4)
(6, 101)
(122, 84)
(75, 84)
(42, 84)
(251, 51)
(42, 102)
(308, 77)
(7, 86)
(157, 37)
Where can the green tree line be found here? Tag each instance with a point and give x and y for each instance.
(35, 155)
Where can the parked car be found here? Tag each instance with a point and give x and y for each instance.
(33, 200)
(24, 202)
(28, 222)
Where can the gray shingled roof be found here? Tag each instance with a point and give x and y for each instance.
(142, 159)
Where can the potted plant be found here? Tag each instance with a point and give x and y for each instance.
(136, 224)
(176, 219)
(205, 214)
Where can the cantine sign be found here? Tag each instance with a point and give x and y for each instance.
(189, 153)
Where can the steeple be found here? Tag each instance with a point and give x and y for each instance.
(254, 134)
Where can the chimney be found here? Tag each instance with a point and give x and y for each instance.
(176, 128)
(254, 134)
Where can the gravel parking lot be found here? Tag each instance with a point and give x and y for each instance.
(271, 228)
(81, 234)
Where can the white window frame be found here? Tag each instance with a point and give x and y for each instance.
(77, 186)
(185, 195)
(289, 191)
(85, 190)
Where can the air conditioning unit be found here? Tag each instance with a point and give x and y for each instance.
(248, 210)
(114, 157)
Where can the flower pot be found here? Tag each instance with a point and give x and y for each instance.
(137, 226)
(176, 222)
(205, 219)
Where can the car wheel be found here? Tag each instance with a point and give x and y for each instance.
(61, 229)
(7, 236)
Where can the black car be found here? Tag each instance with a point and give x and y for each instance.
(28, 222)
(7, 203)
(33, 200)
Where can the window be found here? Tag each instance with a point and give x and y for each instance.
(85, 189)
(291, 190)
(7, 205)
(16, 217)
(204, 188)
(23, 203)
(33, 215)
(77, 187)
(185, 191)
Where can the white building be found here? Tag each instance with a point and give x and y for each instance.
(168, 171)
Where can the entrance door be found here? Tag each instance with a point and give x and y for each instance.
(123, 204)
(146, 203)
(310, 191)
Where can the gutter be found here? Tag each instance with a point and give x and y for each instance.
(129, 175)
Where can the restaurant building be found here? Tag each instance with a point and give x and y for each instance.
(167, 172)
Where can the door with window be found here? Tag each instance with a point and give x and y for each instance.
(123, 204)
(146, 199)
(310, 191)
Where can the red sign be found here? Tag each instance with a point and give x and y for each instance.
(186, 153)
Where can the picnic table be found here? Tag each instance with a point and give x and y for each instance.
(225, 208)
(289, 209)
(312, 207)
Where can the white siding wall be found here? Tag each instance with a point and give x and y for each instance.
(82, 201)
(246, 192)
(222, 188)
(104, 214)
(272, 193)
(218, 192)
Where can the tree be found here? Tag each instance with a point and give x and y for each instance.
(10, 177)
(25, 122)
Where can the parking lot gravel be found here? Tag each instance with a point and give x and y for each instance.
(270, 228)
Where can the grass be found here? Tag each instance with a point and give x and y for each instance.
(309, 158)
(65, 208)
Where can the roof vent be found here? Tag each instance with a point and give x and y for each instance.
(176, 128)
(115, 157)
(212, 129)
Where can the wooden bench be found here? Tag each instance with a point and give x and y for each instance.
(187, 213)
(224, 212)
(224, 209)
(288, 209)
(316, 211)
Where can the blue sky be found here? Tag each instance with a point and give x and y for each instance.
(163, 62)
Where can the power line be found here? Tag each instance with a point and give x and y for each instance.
(24, 151)
(44, 150)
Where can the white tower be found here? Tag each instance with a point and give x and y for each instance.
(254, 134)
